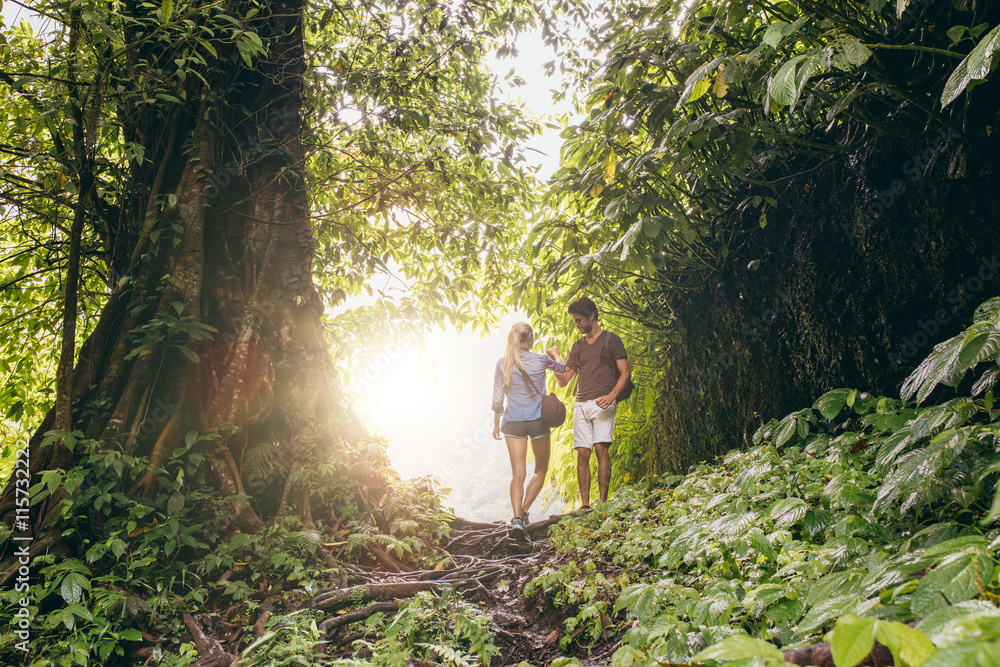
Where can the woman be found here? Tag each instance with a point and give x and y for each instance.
(520, 379)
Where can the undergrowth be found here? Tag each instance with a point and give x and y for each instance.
(143, 562)
(858, 519)
(862, 515)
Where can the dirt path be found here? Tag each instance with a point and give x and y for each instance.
(481, 561)
(489, 568)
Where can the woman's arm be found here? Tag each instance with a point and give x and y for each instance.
(497, 401)
(566, 374)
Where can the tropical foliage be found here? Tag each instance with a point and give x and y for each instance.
(861, 514)
(412, 158)
(699, 118)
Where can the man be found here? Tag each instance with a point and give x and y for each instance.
(602, 363)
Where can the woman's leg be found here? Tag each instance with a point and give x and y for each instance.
(540, 448)
(517, 449)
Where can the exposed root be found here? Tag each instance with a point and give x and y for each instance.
(387, 561)
(335, 622)
(820, 655)
(341, 597)
(211, 651)
(266, 607)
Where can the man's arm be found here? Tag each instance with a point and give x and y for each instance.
(623, 378)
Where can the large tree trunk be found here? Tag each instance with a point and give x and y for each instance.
(215, 240)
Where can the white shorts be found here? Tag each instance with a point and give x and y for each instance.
(592, 424)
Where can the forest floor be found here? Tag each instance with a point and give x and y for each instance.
(480, 560)
(491, 569)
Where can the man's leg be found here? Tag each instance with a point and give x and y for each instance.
(604, 430)
(603, 469)
(583, 440)
(583, 474)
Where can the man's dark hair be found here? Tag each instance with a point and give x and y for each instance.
(584, 307)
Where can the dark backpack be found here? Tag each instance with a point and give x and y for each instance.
(606, 356)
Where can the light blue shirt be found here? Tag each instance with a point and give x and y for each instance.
(523, 402)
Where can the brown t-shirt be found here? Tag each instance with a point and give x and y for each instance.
(597, 377)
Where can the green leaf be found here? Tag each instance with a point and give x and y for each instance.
(909, 647)
(788, 511)
(651, 227)
(853, 639)
(73, 586)
(175, 504)
(166, 11)
(856, 52)
(950, 583)
(697, 83)
(781, 29)
(699, 89)
(782, 87)
(976, 65)
(968, 653)
(742, 647)
(131, 635)
(831, 403)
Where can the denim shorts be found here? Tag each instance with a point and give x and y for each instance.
(533, 429)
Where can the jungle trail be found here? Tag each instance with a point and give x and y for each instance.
(202, 492)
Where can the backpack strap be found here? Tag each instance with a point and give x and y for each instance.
(606, 354)
(527, 379)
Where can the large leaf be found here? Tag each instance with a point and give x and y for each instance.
(853, 639)
(783, 86)
(951, 359)
(909, 647)
(788, 511)
(742, 647)
(697, 78)
(952, 582)
(975, 66)
(831, 403)
(778, 30)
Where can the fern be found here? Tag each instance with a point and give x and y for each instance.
(258, 462)
(448, 655)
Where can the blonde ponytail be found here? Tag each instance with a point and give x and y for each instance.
(519, 334)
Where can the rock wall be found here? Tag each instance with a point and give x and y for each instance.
(866, 264)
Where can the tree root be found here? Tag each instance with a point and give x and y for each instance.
(819, 655)
(266, 607)
(387, 561)
(335, 622)
(386, 591)
(211, 651)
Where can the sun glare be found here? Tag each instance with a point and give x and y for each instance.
(403, 392)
